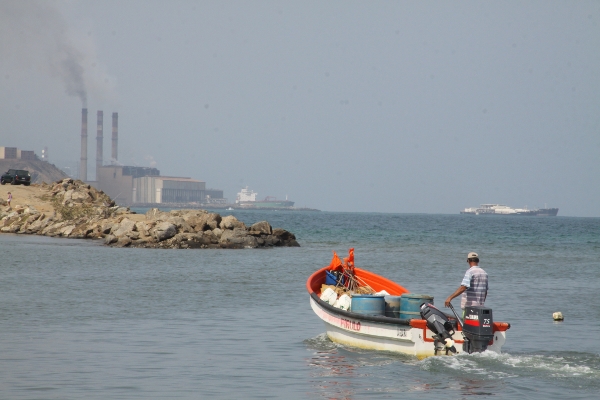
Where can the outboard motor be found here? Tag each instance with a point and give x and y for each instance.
(440, 325)
(478, 329)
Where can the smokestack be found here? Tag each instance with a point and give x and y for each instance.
(83, 161)
(99, 139)
(115, 136)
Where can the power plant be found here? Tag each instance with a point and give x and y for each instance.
(128, 185)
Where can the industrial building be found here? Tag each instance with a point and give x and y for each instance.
(13, 153)
(169, 189)
(117, 181)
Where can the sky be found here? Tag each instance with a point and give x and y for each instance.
(360, 106)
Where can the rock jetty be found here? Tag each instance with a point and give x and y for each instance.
(81, 211)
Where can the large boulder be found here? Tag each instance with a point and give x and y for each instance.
(110, 239)
(107, 226)
(237, 239)
(164, 230)
(231, 222)
(66, 231)
(123, 242)
(145, 227)
(285, 238)
(209, 238)
(197, 220)
(271, 240)
(79, 196)
(213, 220)
(125, 226)
(52, 229)
(181, 224)
(14, 228)
(38, 224)
(260, 228)
(67, 196)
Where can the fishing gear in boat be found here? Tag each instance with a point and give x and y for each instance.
(342, 275)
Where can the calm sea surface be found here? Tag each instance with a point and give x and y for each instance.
(80, 320)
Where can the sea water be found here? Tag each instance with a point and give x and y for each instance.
(81, 320)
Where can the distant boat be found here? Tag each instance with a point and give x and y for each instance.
(229, 209)
(501, 209)
(247, 198)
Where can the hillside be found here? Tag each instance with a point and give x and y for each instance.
(41, 171)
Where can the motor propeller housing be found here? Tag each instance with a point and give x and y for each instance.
(440, 325)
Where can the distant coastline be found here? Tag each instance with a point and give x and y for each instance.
(215, 206)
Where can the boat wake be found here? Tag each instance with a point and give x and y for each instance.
(334, 367)
(320, 343)
(579, 369)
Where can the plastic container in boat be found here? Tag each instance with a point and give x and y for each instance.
(332, 277)
(410, 305)
(329, 296)
(392, 306)
(343, 303)
(368, 304)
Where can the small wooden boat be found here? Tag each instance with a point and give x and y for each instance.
(380, 332)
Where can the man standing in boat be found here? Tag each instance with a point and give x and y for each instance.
(474, 286)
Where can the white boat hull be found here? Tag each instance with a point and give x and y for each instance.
(394, 337)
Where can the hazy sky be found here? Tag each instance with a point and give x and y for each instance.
(388, 106)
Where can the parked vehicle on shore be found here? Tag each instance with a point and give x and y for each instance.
(16, 177)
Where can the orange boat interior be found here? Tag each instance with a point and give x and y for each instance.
(376, 282)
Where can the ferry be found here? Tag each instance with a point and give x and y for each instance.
(501, 209)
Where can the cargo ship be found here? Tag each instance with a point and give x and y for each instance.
(501, 209)
(246, 198)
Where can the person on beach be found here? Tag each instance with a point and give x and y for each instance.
(474, 286)
(9, 199)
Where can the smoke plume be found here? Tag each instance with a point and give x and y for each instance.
(34, 36)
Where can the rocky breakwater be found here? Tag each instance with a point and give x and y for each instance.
(189, 229)
(81, 211)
